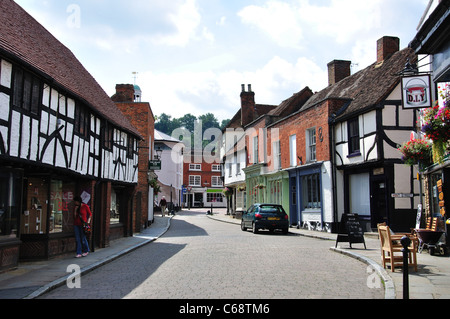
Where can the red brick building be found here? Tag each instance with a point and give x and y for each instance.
(203, 182)
(140, 114)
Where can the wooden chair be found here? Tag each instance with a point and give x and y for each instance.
(391, 249)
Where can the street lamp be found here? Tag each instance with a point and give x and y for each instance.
(158, 152)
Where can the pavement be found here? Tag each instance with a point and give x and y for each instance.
(33, 279)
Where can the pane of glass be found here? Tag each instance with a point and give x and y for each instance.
(61, 198)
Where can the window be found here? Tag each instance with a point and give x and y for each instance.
(130, 146)
(214, 198)
(82, 120)
(293, 150)
(10, 202)
(353, 137)
(277, 155)
(311, 192)
(311, 134)
(216, 181)
(230, 170)
(195, 167)
(108, 132)
(215, 168)
(255, 150)
(27, 91)
(114, 216)
(195, 180)
(61, 219)
(360, 194)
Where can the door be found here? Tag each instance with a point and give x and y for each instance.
(293, 201)
(379, 202)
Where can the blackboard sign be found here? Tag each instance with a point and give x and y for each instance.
(351, 231)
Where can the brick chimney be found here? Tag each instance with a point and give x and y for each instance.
(247, 105)
(338, 70)
(386, 47)
(124, 93)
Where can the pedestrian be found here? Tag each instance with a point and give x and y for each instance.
(163, 205)
(82, 214)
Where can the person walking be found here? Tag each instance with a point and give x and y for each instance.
(163, 205)
(82, 214)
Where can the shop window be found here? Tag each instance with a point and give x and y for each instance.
(275, 192)
(214, 198)
(61, 210)
(311, 192)
(115, 208)
(10, 203)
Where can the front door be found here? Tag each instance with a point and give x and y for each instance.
(379, 202)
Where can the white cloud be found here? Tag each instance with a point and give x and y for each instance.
(187, 21)
(218, 91)
(279, 20)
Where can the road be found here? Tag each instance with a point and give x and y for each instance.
(200, 258)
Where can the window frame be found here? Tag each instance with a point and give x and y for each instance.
(354, 137)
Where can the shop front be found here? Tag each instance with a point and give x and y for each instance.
(10, 207)
(306, 203)
(437, 199)
(46, 218)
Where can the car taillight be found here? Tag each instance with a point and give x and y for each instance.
(258, 216)
(286, 217)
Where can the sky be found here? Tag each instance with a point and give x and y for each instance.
(192, 56)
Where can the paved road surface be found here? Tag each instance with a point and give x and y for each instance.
(199, 258)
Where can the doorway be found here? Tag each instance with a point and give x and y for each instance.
(379, 210)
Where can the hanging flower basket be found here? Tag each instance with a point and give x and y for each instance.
(436, 126)
(227, 192)
(260, 186)
(242, 188)
(417, 152)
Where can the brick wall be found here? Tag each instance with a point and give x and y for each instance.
(299, 124)
(140, 115)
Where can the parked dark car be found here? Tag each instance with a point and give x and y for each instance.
(265, 216)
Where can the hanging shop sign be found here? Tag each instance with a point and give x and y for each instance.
(416, 92)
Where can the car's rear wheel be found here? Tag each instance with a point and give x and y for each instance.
(254, 228)
(243, 228)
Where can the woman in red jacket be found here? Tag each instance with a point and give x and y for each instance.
(82, 213)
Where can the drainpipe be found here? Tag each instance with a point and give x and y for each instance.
(333, 169)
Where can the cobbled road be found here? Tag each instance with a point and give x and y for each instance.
(200, 258)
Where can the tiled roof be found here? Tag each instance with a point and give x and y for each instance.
(366, 88)
(23, 38)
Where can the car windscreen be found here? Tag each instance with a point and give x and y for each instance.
(271, 210)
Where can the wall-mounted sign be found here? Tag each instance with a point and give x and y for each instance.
(154, 165)
(416, 92)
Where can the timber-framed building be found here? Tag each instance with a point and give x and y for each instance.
(60, 136)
